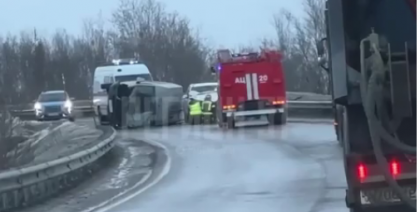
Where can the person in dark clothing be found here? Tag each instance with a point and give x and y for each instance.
(120, 110)
(207, 109)
(112, 95)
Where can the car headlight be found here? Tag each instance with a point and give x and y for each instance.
(37, 106)
(68, 104)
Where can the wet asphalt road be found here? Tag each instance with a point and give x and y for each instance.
(294, 168)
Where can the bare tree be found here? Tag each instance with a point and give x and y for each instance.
(283, 24)
(163, 40)
(10, 75)
(297, 40)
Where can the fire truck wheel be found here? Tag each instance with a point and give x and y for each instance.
(278, 119)
(219, 122)
(283, 118)
(231, 123)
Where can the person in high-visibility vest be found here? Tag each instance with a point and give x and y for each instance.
(195, 111)
(207, 108)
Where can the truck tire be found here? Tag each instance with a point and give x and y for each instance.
(231, 123)
(219, 122)
(278, 119)
(221, 119)
(284, 118)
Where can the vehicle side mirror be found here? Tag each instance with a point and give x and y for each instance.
(320, 47)
(105, 86)
(322, 57)
(212, 70)
(322, 61)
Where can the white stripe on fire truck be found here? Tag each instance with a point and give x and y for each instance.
(255, 86)
(248, 86)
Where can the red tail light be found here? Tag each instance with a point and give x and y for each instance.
(395, 168)
(362, 171)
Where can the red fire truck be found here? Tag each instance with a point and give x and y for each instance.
(251, 88)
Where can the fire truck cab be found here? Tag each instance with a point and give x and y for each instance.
(251, 88)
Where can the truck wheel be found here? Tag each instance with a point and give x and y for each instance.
(231, 123)
(278, 119)
(219, 122)
(283, 118)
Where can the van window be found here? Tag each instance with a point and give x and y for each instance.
(97, 86)
(98, 81)
(133, 77)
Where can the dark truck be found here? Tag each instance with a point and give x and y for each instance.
(370, 54)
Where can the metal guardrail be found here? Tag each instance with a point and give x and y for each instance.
(310, 104)
(88, 109)
(24, 186)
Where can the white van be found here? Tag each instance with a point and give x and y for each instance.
(122, 72)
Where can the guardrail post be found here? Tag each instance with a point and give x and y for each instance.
(4, 201)
(16, 198)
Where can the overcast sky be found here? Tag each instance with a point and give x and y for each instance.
(224, 23)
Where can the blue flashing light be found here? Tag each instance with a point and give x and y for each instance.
(219, 67)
